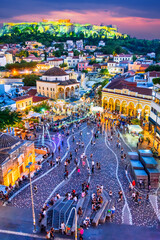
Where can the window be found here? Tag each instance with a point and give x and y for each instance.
(39, 87)
(18, 105)
(26, 104)
(29, 102)
(51, 89)
(22, 104)
(47, 94)
(43, 88)
(47, 88)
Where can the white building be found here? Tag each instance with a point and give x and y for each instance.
(3, 61)
(70, 44)
(101, 44)
(123, 57)
(72, 61)
(150, 75)
(151, 55)
(55, 62)
(79, 44)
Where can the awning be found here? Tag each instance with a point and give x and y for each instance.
(135, 128)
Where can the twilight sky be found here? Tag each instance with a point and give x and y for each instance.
(139, 18)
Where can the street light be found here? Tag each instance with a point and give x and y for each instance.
(75, 220)
(33, 212)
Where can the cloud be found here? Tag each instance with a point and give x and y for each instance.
(134, 26)
(137, 8)
(138, 18)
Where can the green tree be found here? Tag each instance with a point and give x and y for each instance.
(76, 52)
(63, 65)
(30, 80)
(134, 58)
(153, 68)
(42, 107)
(156, 80)
(84, 71)
(9, 118)
(104, 72)
(22, 65)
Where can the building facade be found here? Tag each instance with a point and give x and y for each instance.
(56, 83)
(154, 118)
(123, 57)
(126, 98)
(15, 155)
(23, 102)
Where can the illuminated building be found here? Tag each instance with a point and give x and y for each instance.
(15, 154)
(154, 118)
(58, 28)
(56, 83)
(23, 102)
(43, 66)
(55, 62)
(126, 98)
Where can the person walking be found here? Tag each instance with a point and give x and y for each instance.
(35, 189)
(63, 227)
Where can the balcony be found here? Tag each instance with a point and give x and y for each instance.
(155, 106)
(155, 118)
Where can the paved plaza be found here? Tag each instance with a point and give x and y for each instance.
(112, 175)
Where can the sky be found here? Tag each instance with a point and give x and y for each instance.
(138, 18)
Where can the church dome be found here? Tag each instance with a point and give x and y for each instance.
(55, 71)
(7, 141)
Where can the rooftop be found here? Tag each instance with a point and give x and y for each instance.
(55, 71)
(21, 98)
(121, 83)
(7, 141)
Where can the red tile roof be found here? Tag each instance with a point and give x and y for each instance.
(121, 83)
(32, 92)
(38, 99)
(154, 74)
(21, 98)
(26, 87)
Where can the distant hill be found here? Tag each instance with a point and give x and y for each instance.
(61, 27)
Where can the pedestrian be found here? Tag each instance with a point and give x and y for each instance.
(52, 233)
(35, 189)
(78, 171)
(48, 236)
(63, 227)
(83, 163)
(133, 195)
(59, 148)
(113, 209)
(147, 198)
(81, 232)
(92, 168)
